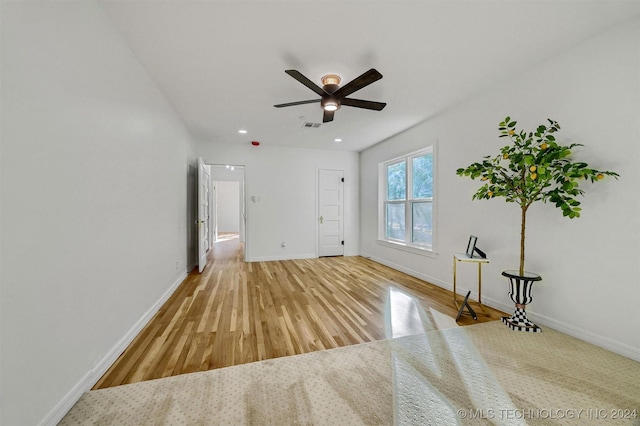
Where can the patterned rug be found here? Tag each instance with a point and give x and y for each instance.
(479, 374)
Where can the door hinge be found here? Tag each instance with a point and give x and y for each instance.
(341, 179)
(342, 242)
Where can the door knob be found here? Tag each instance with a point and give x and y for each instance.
(321, 219)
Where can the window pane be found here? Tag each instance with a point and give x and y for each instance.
(423, 176)
(422, 230)
(395, 221)
(397, 181)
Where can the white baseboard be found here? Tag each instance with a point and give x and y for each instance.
(292, 257)
(578, 333)
(92, 377)
(571, 330)
(56, 415)
(411, 272)
(288, 257)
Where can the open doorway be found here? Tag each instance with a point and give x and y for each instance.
(227, 220)
(227, 204)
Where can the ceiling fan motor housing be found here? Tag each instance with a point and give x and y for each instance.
(330, 83)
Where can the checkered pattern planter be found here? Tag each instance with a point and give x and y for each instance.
(519, 322)
(520, 293)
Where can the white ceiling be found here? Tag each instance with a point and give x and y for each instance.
(221, 63)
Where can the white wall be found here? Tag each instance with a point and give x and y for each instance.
(285, 181)
(228, 203)
(94, 204)
(590, 266)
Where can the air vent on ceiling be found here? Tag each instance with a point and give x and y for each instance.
(312, 125)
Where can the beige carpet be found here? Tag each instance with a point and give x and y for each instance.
(480, 374)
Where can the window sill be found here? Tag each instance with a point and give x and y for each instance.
(411, 249)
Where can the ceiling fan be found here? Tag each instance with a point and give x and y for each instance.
(332, 96)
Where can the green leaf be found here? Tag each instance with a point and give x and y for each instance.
(557, 176)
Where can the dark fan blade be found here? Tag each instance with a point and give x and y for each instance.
(327, 116)
(312, 101)
(363, 104)
(358, 83)
(304, 80)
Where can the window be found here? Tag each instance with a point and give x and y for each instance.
(406, 211)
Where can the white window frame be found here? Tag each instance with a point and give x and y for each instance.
(406, 244)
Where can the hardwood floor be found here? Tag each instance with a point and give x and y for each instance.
(237, 312)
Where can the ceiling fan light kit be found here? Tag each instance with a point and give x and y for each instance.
(330, 104)
(332, 96)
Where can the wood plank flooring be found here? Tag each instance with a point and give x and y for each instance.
(237, 312)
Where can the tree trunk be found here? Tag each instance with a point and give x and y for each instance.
(522, 231)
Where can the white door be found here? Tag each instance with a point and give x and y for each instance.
(331, 213)
(203, 211)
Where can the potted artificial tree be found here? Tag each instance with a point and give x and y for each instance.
(533, 167)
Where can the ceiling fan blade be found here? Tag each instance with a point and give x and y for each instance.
(358, 103)
(358, 83)
(327, 116)
(312, 101)
(304, 80)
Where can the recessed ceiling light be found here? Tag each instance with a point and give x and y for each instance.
(242, 131)
(337, 140)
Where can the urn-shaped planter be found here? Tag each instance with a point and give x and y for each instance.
(520, 286)
(532, 168)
